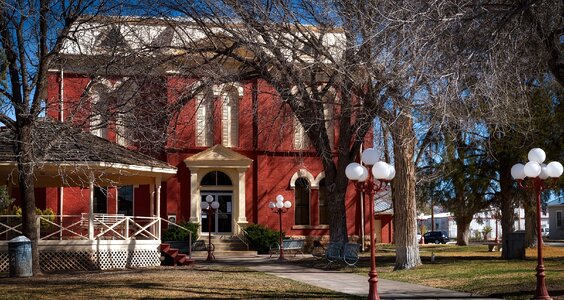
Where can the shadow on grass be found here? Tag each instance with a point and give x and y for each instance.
(131, 284)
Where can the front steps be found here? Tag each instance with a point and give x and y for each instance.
(174, 257)
(225, 246)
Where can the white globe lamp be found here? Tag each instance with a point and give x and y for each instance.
(543, 174)
(532, 169)
(554, 169)
(354, 171)
(369, 156)
(381, 170)
(518, 171)
(537, 155)
(392, 173)
(364, 175)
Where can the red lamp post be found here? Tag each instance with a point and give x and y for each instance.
(538, 172)
(365, 183)
(209, 206)
(280, 207)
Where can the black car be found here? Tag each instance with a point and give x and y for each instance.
(437, 237)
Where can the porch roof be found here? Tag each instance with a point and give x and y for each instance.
(68, 156)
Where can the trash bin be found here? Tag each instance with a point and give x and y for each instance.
(515, 245)
(19, 254)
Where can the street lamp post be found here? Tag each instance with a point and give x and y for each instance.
(209, 206)
(538, 172)
(279, 208)
(364, 182)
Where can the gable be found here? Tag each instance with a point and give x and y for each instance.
(218, 155)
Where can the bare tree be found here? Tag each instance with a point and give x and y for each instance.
(32, 35)
(371, 54)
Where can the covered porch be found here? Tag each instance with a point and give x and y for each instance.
(82, 238)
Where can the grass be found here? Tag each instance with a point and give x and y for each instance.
(201, 282)
(471, 269)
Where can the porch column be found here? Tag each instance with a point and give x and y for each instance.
(158, 199)
(194, 196)
(61, 191)
(152, 198)
(241, 215)
(152, 204)
(91, 211)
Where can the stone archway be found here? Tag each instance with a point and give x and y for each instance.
(227, 161)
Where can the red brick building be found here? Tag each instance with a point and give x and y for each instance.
(234, 141)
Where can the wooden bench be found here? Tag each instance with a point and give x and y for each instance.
(493, 246)
(291, 245)
(348, 253)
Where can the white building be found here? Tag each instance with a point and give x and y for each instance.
(446, 223)
(556, 221)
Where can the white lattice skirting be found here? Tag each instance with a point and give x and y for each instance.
(91, 260)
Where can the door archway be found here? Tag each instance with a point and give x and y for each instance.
(218, 185)
(224, 161)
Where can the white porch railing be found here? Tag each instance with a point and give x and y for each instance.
(77, 227)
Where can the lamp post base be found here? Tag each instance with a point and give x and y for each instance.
(211, 256)
(373, 285)
(541, 292)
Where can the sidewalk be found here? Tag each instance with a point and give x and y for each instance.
(349, 283)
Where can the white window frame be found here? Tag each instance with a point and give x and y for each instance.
(230, 119)
(204, 120)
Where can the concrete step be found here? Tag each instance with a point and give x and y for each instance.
(230, 246)
(199, 255)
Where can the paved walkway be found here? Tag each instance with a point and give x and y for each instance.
(349, 283)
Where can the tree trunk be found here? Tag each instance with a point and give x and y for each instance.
(26, 185)
(506, 203)
(337, 225)
(403, 194)
(462, 231)
(337, 184)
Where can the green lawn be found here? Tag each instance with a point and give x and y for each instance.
(201, 282)
(470, 269)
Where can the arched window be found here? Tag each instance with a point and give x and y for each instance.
(322, 203)
(216, 178)
(302, 194)
(230, 119)
(204, 120)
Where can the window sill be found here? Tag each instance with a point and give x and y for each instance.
(310, 227)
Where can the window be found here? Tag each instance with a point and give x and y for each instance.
(204, 120)
(99, 113)
(328, 112)
(125, 200)
(302, 194)
(558, 219)
(323, 218)
(301, 140)
(216, 178)
(121, 130)
(230, 119)
(100, 200)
